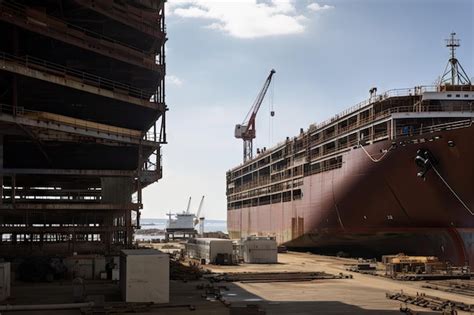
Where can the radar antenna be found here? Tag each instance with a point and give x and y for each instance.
(454, 73)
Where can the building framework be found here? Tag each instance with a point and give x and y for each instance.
(82, 119)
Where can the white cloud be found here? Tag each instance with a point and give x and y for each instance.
(317, 7)
(194, 12)
(243, 18)
(174, 80)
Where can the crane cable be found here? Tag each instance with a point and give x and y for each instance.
(452, 190)
(434, 168)
(272, 113)
(372, 158)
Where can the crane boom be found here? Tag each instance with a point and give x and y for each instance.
(200, 207)
(189, 205)
(246, 131)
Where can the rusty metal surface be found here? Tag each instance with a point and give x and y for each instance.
(382, 206)
(44, 70)
(38, 22)
(129, 15)
(79, 142)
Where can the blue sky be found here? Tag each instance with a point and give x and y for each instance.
(327, 55)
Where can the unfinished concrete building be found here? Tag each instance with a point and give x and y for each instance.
(81, 122)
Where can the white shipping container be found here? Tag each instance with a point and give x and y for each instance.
(5, 280)
(260, 250)
(144, 276)
(208, 248)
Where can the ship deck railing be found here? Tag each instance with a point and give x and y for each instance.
(419, 90)
(280, 177)
(435, 128)
(461, 108)
(286, 181)
(400, 109)
(248, 190)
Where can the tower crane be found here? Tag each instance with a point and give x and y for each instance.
(246, 131)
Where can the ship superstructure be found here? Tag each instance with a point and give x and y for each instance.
(393, 173)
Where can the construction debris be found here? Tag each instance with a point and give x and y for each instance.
(212, 291)
(365, 266)
(121, 308)
(260, 277)
(432, 302)
(249, 309)
(403, 267)
(464, 287)
(180, 271)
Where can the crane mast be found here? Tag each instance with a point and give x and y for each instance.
(246, 131)
(189, 205)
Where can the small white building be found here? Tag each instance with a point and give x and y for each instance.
(144, 276)
(259, 250)
(208, 248)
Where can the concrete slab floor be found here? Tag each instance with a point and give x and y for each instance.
(181, 293)
(364, 294)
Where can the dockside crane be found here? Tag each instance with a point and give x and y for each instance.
(189, 206)
(200, 220)
(246, 131)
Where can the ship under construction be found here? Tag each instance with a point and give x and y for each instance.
(392, 174)
(82, 119)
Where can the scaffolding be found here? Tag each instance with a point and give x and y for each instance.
(82, 121)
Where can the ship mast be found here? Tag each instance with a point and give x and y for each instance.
(454, 73)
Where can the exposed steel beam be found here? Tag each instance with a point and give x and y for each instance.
(78, 80)
(146, 22)
(69, 206)
(48, 26)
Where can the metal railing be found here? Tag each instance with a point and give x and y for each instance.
(386, 113)
(270, 187)
(21, 10)
(276, 178)
(80, 76)
(461, 108)
(378, 135)
(75, 123)
(434, 128)
(419, 90)
(415, 91)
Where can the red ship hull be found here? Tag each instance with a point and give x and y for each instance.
(380, 207)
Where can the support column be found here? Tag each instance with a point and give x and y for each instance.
(128, 237)
(14, 80)
(1, 168)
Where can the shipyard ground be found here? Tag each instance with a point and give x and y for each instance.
(364, 294)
